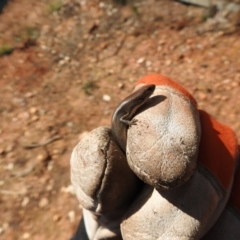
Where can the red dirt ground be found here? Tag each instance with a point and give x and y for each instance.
(65, 56)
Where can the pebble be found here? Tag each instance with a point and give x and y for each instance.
(71, 216)
(42, 157)
(25, 201)
(9, 167)
(61, 62)
(106, 98)
(120, 85)
(148, 63)
(33, 110)
(69, 124)
(202, 95)
(1, 150)
(224, 98)
(34, 118)
(44, 47)
(168, 62)
(9, 148)
(26, 236)
(234, 84)
(14, 119)
(65, 60)
(68, 189)
(140, 60)
(49, 188)
(5, 226)
(56, 151)
(53, 52)
(217, 96)
(80, 45)
(102, 5)
(28, 95)
(23, 115)
(56, 217)
(43, 202)
(50, 166)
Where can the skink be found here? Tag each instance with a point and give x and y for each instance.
(122, 117)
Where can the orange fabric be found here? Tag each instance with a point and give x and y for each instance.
(218, 149)
(235, 194)
(158, 79)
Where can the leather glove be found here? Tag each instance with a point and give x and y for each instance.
(173, 181)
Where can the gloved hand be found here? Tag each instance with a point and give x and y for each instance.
(168, 181)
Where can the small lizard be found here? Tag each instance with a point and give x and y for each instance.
(122, 117)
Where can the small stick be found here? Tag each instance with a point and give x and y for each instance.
(35, 145)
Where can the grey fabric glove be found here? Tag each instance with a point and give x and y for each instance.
(157, 189)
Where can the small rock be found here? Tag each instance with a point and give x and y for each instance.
(56, 217)
(140, 60)
(226, 81)
(56, 151)
(120, 85)
(110, 71)
(2, 183)
(161, 42)
(80, 45)
(61, 62)
(71, 216)
(50, 166)
(1, 150)
(148, 63)
(106, 98)
(102, 5)
(224, 98)
(1, 230)
(42, 157)
(9, 167)
(217, 96)
(67, 59)
(33, 110)
(53, 52)
(25, 201)
(49, 188)
(34, 118)
(11, 155)
(68, 189)
(43, 202)
(23, 115)
(234, 84)
(202, 95)
(44, 47)
(26, 236)
(29, 95)
(9, 148)
(5, 226)
(168, 62)
(69, 124)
